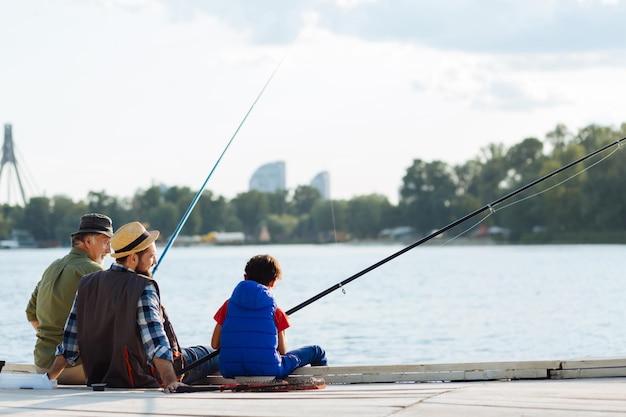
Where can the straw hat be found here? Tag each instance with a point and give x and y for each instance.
(95, 223)
(131, 238)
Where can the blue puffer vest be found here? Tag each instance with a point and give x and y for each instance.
(249, 340)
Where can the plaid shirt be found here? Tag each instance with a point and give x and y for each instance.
(149, 320)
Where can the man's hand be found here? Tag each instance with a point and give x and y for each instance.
(57, 367)
(170, 388)
(167, 374)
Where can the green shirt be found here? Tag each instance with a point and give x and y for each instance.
(52, 300)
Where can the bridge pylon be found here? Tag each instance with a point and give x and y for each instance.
(10, 162)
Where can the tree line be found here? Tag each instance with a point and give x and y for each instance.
(583, 204)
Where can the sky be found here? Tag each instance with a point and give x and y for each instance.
(115, 96)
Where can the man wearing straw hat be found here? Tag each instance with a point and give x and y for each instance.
(52, 298)
(119, 328)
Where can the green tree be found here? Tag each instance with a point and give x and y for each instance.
(144, 200)
(216, 213)
(329, 220)
(12, 218)
(604, 189)
(65, 217)
(594, 137)
(100, 202)
(489, 184)
(281, 227)
(5, 226)
(163, 217)
(524, 161)
(182, 197)
(252, 207)
(558, 137)
(304, 197)
(469, 200)
(278, 203)
(37, 219)
(427, 192)
(366, 215)
(561, 201)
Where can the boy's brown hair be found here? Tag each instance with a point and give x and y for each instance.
(263, 269)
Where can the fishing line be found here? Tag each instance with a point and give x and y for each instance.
(489, 207)
(469, 228)
(565, 180)
(332, 214)
(199, 193)
(492, 211)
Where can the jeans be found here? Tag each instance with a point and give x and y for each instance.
(194, 353)
(308, 355)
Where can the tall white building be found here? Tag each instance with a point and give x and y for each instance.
(269, 178)
(322, 183)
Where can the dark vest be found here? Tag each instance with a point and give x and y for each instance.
(249, 338)
(108, 335)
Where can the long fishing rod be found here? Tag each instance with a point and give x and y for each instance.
(199, 193)
(489, 206)
(448, 227)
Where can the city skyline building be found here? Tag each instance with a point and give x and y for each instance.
(321, 182)
(269, 178)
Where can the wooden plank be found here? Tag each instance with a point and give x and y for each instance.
(610, 372)
(481, 371)
(14, 368)
(494, 375)
(334, 376)
(419, 373)
(446, 367)
(446, 376)
(369, 378)
(590, 368)
(593, 363)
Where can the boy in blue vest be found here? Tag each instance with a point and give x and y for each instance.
(250, 329)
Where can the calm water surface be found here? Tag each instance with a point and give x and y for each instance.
(433, 304)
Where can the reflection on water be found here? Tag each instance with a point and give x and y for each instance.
(429, 305)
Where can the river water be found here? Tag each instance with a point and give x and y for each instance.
(433, 304)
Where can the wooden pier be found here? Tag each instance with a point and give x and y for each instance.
(589, 387)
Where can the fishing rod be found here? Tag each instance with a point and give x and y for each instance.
(199, 193)
(489, 206)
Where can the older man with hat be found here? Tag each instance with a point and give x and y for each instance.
(119, 328)
(52, 298)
